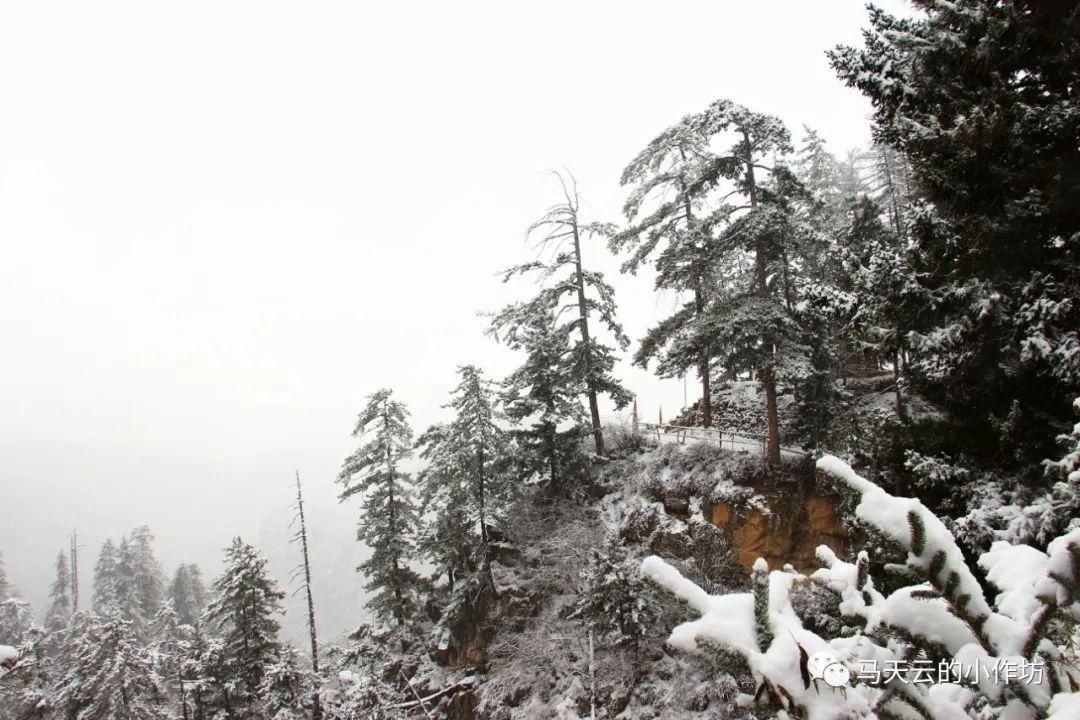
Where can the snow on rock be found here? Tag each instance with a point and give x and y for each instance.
(8, 653)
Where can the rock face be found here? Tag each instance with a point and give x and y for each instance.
(794, 525)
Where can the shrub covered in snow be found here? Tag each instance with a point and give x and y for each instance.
(933, 648)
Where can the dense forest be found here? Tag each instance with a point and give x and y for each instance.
(895, 332)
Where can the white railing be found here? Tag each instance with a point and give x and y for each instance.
(728, 439)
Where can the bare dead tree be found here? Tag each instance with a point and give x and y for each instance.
(304, 571)
(74, 572)
(560, 231)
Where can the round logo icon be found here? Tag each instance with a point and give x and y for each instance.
(824, 665)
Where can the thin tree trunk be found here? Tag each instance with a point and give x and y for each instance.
(399, 600)
(703, 368)
(767, 375)
(901, 411)
(773, 449)
(74, 572)
(316, 707)
(699, 310)
(583, 315)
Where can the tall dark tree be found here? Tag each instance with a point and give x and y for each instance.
(754, 324)
(389, 516)
(674, 179)
(187, 593)
(569, 286)
(468, 478)
(980, 98)
(543, 392)
(244, 610)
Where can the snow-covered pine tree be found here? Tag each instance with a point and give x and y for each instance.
(587, 300)
(129, 580)
(613, 598)
(468, 459)
(204, 671)
(389, 516)
(244, 609)
(170, 639)
(143, 580)
(15, 620)
(187, 593)
(980, 99)
(764, 237)
(466, 486)
(58, 616)
(106, 595)
(25, 691)
(889, 182)
(108, 676)
(670, 208)
(368, 680)
(448, 537)
(544, 392)
(286, 690)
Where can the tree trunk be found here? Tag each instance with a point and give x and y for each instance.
(583, 315)
(767, 375)
(703, 367)
(901, 411)
(773, 450)
(316, 707)
(399, 601)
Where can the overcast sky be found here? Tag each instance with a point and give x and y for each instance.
(222, 224)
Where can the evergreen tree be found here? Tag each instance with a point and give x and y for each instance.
(890, 184)
(170, 640)
(585, 294)
(245, 603)
(187, 593)
(204, 673)
(106, 594)
(544, 392)
(737, 257)
(674, 178)
(980, 100)
(760, 245)
(15, 621)
(108, 676)
(129, 580)
(389, 516)
(286, 688)
(26, 691)
(59, 614)
(468, 477)
(614, 599)
(143, 581)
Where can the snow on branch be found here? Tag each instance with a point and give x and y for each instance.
(934, 648)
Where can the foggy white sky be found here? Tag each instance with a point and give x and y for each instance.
(222, 224)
